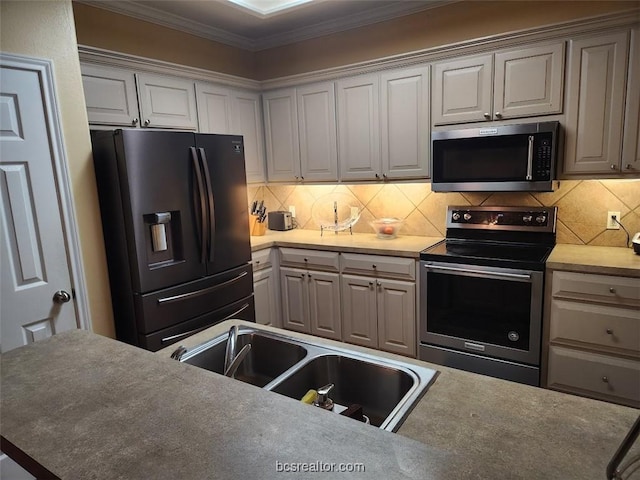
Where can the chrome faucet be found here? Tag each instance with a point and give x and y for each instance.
(232, 360)
(178, 353)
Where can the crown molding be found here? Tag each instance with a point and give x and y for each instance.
(99, 56)
(159, 17)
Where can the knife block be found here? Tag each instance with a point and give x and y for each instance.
(256, 229)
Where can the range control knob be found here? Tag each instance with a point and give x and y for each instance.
(541, 219)
(467, 216)
(527, 218)
(455, 216)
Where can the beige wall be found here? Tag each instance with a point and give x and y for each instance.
(103, 29)
(439, 26)
(45, 29)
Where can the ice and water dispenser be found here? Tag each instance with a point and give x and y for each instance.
(162, 238)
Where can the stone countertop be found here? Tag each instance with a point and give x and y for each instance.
(401, 246)
(85, 406)
(500, 429)
(594, 259)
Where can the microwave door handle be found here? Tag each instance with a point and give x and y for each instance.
(203, 206)
(529, 176)
(212, 212)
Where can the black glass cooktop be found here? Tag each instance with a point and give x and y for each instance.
(508, 255)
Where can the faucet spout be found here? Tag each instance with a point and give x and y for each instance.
(232, 358)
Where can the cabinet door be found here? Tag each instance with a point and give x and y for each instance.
(267, 300)
(462, 90)
(631, 139)
(167, 102)
(317, 130)
(404, 123)
(529, 81)
(214, 108)
(324, 304)
(595, 91)
(397, 316)
(281, 134)
(246, 120)
(110, 95)
(295, 314)
(359, 311)
(359, 128)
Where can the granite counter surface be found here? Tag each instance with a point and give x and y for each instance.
(85, 406)
(401, 246)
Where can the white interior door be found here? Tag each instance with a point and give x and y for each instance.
(34, 259)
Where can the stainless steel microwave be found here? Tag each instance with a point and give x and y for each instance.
(505, 158)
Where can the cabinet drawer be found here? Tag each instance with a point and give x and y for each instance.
(594, 375)
(317, 259)
(261, 259)
(616, 329)
(378, 265)
(601, 288)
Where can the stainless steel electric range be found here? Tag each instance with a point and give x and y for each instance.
(482, 289)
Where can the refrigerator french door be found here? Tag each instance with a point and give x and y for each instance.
(175, 221)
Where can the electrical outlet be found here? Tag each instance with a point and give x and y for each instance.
(292, 209)
(611, 224)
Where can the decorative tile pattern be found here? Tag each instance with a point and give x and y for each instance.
(582, 206)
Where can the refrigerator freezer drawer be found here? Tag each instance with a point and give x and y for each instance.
(170, 306)
(243, 310)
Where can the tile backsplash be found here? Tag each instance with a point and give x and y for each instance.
(582, 206)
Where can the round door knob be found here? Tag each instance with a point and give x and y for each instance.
(147, 122)
(61, 297)
(134, 121)
(605, 379)
(612, 290)
(487, 116)
(498, 115)
(609, 331)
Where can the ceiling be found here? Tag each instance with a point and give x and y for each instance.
(260, 24)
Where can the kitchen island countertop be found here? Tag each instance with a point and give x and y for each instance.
(86, 406)
(595, 259)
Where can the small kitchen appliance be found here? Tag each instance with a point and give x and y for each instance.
(636, 243)
(481, 291)
(280, 220)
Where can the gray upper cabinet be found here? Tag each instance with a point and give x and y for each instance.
(359, 128)
(631, 139)
(167, 102)
(227, 111)
(508, 84)
(300, 131)
(595, 103)
(404, 123)
(317, 132)
(110, 96)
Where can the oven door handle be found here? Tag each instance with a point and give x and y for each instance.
(518, 276)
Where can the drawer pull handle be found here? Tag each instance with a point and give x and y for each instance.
(609, 331)
(370, 284)
(605, 379)
(612, 290)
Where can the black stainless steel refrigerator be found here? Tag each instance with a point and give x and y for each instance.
(175, 221)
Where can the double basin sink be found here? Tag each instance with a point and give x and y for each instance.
(386, 389)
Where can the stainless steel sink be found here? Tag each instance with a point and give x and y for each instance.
(387, 389)
(268, 358)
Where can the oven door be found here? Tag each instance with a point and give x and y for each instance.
(488, 311)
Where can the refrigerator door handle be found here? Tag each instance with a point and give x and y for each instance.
(203, 291)
(191, 332)
(202, 231)
(212, 214)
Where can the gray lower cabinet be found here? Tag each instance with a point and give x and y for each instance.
(594, 336)
(310, 292)
(378, 308)
(266, 288)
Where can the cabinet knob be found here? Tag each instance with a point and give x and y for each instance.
(306, 259)
(612, 290)
(302, 276)
(257, 262)
(487, 116)
(301, 177)
(370, 284)
(609, 331)
(309, 275)
(613, 167)
(628, 166)
(384, 175)
(379, 284)
(605, 379)
(498, 115)
(377, 176)
(374, 266)
(147, 122)
(296, 177)
(135, 121)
